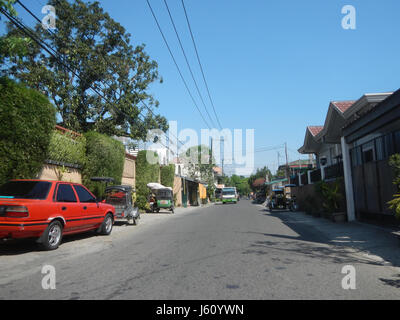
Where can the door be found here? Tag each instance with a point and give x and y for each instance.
(89, 207)
(68, 207)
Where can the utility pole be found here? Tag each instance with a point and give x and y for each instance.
(287, 163)
(222, 161)
(278, 159)
(211, 150)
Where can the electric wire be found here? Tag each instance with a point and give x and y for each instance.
(176, 64)
(200, 64)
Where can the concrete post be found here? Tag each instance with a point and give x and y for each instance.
(348, 181)
(309, 177)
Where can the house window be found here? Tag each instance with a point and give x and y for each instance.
(368, 152)
(397, 141)
(356, 158)
(380, 150)
(368, 155)
(389, 145)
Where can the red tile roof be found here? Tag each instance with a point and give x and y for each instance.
(343, 105)
(258, 182)
(315, 129)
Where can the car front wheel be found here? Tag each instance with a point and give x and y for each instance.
(107, 225)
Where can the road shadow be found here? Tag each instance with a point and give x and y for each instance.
(156, 213)
(12, 247)
(327, 240)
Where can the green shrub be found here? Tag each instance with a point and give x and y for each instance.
(167, 174)
(145, 173)
(105, 157)
(27, 121)
(331, 194)
(394, 204)
(67, 148)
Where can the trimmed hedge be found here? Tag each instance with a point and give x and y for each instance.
(145, 173)
(167, 174)
(105, 157)
(66, 148)
(27, 121)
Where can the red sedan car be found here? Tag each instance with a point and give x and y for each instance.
(47, 210)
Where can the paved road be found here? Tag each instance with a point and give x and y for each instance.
(217, 252)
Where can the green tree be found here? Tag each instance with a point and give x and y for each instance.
(260, 173)
(241, 183)
(98, 49)
(200, 163)
(12, 46)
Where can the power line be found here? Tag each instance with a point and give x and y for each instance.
(176, 64)
(106, 61)
(187, 62)
(122, 40)
(200, 64)
(20, 25)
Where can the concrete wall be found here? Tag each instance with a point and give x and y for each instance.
(129, 173)
(306, 191)
(53, 172)
(178, 191)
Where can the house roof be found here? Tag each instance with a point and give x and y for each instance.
(378, 115)
(314, 130)
(259, 182)
(217, 170)
(342, 106)
(339, 112)
(311, 143)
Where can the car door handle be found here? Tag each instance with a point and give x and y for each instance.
(64, 208)
(84, 208)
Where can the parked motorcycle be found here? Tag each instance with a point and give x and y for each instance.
(293, 205)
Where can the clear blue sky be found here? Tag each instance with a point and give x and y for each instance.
(272, 66)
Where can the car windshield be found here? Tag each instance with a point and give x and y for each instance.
(115, 197)
(229, 192)
(164, 194)
(25, 190)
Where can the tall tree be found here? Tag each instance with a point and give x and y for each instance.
(99, 53)
(12, 46)
(199, 163)
(260, 173)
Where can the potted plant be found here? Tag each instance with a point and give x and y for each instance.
(394, 204)
(332, 197)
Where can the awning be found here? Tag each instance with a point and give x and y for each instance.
(275, 181)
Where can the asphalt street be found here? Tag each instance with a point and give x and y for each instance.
(235, 251)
